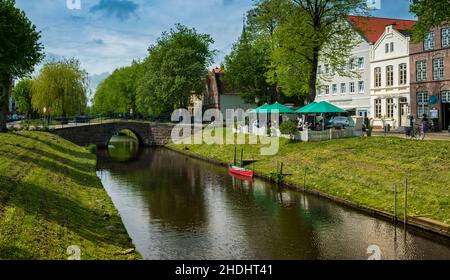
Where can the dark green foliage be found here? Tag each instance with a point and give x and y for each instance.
(22, 96)
(117, 93)
(430, 13)
(289, 127)
(175, 69)
(20, 51)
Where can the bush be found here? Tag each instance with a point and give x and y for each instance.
(289, 127)
(92, 148)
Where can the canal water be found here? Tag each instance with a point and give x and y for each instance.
(175, 207)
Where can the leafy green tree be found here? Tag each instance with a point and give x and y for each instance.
(246, 67)
(247, 64)
(430, 13)
(306, 31)
(60, 89)
(175, 69)
(22, 96)
(20, 51)
(117, 93)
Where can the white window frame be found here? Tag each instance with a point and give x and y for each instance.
(377, 107)
(389, 75)
(390, 108)
(352, 63)
(361, 87)
(438, 69)
(343, 88)
(428, 43)
(386, 48)
(403, 73)
(352, 87)
(422, 104)
(421, 70)
(445, 37)
(334, 89)
(377, 72)
(391, 46)
(327, 90)
(445, 96)
(361, 63)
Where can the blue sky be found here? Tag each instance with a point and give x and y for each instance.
(106, 34)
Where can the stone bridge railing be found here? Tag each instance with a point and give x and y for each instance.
(149, 134)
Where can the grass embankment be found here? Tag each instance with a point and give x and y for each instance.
(360, 170)
(51, 198)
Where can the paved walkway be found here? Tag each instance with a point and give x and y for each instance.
(442, 136)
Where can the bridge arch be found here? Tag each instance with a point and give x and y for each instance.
(148, 134)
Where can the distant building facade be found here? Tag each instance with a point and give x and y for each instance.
(217, 96)
(430, 76)
(354, 93)
(390, 79)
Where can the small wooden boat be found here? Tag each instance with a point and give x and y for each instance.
(240, 177)
(240, 171)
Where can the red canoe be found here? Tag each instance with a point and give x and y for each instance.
(240, 171)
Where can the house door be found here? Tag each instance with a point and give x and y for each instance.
(404, 114)
(446, 115)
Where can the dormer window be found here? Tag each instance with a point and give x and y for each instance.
(429, 41)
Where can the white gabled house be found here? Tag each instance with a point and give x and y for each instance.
(354, 93)
(390, 79)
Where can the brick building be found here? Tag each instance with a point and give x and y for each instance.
(430, 76)
(216, 96)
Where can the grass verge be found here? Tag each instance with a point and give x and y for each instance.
(361, 170)
(51, 198)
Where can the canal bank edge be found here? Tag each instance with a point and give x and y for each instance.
(420, 223)
(53, 205)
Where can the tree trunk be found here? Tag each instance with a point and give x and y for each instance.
(5, 90)
(313, 75)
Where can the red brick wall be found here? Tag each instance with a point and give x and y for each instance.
(418, 53)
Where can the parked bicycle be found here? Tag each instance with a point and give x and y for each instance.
(418, 132)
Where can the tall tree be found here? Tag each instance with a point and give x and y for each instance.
(307, 31)
(60, 89)
(117, 93)
(430, 13)
(20, 51)
(246, 67)
(175, 69)
(22, 96)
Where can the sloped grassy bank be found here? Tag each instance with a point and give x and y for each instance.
(51, 198)
(361, 171)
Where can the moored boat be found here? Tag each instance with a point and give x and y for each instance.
(240, 171)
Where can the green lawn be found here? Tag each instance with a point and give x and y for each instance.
(51, 198)
(362, 170)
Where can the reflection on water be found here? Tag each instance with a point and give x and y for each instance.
(175, 207)
(123, 148)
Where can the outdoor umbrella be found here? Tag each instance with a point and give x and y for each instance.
(262, 109)
(303, 109)
(280, 108)
(322, 108)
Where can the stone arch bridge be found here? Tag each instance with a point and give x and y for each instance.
(148, 134)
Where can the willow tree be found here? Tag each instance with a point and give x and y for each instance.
(20, 51)
(60, 89)
(306, 32)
